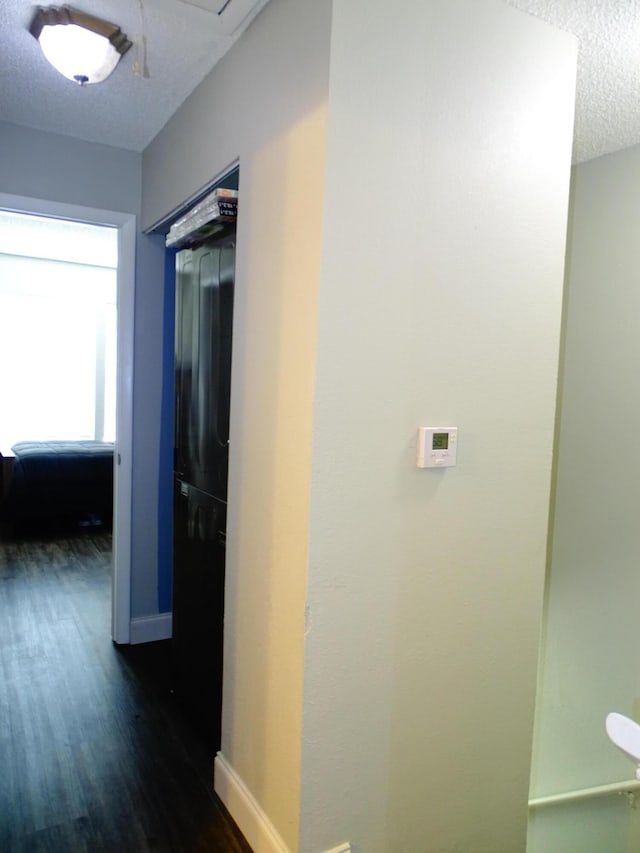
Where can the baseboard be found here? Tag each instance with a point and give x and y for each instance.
(254, 824)
(148, 629)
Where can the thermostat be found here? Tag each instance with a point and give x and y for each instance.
(437, 447)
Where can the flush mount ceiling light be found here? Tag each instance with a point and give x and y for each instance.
(82, 48)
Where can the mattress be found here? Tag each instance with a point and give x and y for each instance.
(61, 479)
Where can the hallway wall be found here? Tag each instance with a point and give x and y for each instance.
(589, 659)
(264, 105)
(440, 304)
(414, 596)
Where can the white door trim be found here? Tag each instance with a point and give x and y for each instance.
(126, 224)
(123, 470)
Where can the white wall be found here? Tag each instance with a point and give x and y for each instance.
(439, 300)
(440, 303)
(54, 168)
(264, 105)
(590, 659)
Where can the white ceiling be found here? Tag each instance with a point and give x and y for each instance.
(608, 85)
(183, 43)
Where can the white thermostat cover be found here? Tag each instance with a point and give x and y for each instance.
(437, 447)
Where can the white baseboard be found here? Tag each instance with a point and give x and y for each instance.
(148, 629)
(254, 824)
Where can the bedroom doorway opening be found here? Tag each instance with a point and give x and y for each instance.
(58, 284)
(109, 404)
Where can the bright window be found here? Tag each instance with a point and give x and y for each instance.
(57, 330)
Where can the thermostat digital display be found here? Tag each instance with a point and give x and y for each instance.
(440, 441)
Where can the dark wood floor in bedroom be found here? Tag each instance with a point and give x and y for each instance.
(94, 756)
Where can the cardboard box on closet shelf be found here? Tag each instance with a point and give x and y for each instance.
(206, 219)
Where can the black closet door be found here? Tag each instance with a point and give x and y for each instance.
(204, 326)
(198, 607)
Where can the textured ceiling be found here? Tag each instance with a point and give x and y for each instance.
(183, 42)
(608, 84)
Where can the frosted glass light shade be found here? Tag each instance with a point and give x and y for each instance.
(82, 48)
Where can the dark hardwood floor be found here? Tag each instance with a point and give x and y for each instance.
(94, 755)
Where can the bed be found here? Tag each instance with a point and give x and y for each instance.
(57, 482)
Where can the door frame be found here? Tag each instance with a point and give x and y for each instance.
(122, 491)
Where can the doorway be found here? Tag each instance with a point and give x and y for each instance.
(126, 229)
(202, 255)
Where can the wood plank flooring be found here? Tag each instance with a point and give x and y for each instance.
(94, 754)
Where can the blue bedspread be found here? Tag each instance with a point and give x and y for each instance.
(61, 479)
